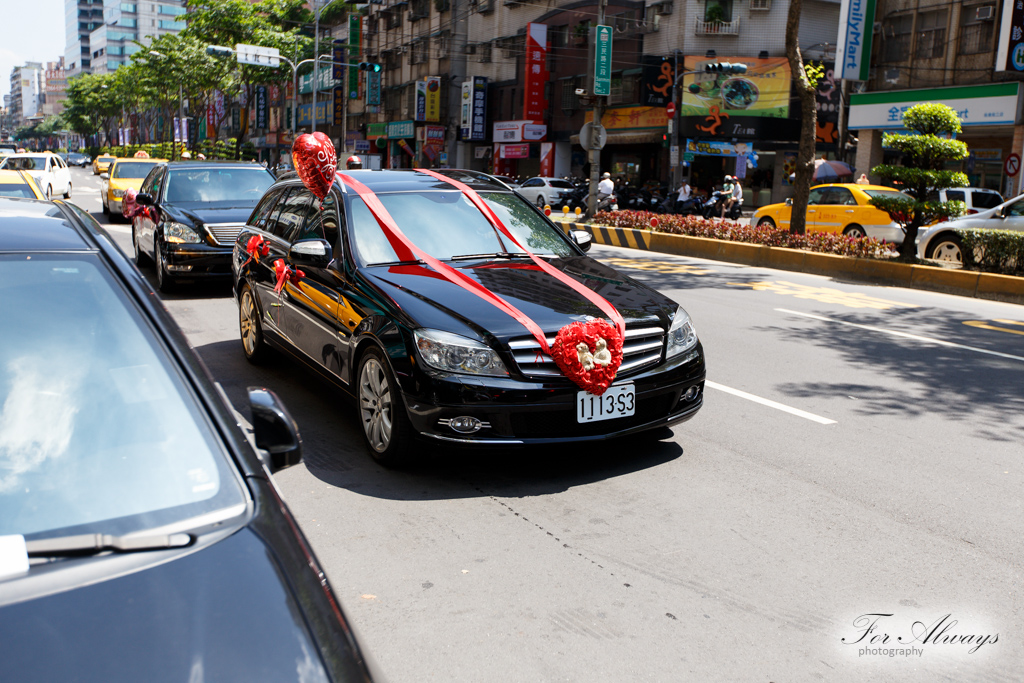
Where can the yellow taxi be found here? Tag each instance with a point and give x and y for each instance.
(840, 208)
(123, 174)
(19, 184)
(101, 164)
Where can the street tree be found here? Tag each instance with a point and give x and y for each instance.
(806, 85)
(89, 107)
(925, 151)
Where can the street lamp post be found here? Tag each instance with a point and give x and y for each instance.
(316, 51)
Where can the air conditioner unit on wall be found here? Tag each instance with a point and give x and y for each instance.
(663, 8)
(985, 13)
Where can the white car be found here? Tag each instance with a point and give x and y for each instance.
(541, 191)
(976, 199)
(49, 171)
(940, 241)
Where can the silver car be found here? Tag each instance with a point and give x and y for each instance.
(940, 241)
(541, 190)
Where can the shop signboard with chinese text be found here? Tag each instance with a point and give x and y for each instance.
(622, 118)
(1010, 55)
(515, 151)
(656, 86)
(519, 131)
(976, 105)
(534, 103)
(261, 106)
(433, 99)
(420, 113)
(355, 49)
(401, 129)
(473, 118)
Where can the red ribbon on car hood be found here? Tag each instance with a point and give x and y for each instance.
(396, 237)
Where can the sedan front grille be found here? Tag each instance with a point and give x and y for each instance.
(225, 234)
(643, 346)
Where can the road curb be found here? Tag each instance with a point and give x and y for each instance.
(932, 278)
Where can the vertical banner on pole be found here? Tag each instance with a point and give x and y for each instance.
(261, 106)
(534, 103)
(433, 95)
(373, 88)
(547, 159)
(339, 58)
(420, 113)
(355, 48)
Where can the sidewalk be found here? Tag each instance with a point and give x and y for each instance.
(968, 283)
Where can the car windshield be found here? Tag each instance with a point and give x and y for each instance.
(24, 163)
(447, 225)
(560, 184)
(98, 431)
(19, 190)
(132, 169)
(218, 184)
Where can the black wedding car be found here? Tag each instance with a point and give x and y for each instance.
(141, 535)
(426, 358)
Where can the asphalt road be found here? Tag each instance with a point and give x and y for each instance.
(859, 453)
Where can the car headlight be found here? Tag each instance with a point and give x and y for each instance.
(681, 335)
(454, 353)
(175, 233)
(117, 193)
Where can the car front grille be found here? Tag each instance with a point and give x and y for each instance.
(643, 346)
(225, 234)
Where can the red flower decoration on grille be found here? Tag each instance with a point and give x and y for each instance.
(285, 274)
(589, 354)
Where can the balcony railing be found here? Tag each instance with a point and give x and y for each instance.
(718, 28)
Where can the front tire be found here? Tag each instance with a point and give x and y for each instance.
(540, 202)
(855, 231)
(386, 427)
(948, 249)
(164, 282)
(251, 329)
(49, 193)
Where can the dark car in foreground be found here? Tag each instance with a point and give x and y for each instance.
(424, 357)
(141, 535)
(195, 211)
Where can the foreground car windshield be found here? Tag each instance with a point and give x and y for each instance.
(447, 225)
(133, 169)
(98, 431)
(218, 184)
(21, 190)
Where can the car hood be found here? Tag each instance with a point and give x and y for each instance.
(125, 183)
(222, 613)
(432, 301)
(205, 213)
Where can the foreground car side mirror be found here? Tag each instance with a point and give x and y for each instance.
(104, 176)
(315, 253)
(789, 202)
(144, 199)
(274, 429)
(582, 238)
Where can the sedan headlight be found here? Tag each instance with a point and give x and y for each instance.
(176, 233)
(118, 193)
(681, 335)
(454, 353)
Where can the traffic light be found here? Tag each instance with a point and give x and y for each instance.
(664, 140)
(725, 68)
(219, 51)
(372, 67)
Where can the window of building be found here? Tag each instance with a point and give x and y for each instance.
(931, 35)
(419, 9)
(486, 50)
(570, 102)
(558, 36)
(420, 51)
(977, 28)
(172, 25)
(172, 10)
(127, 23)
(718, 10)
(896, 35)
(127, 6)
(443, 40)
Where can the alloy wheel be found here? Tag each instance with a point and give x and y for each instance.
(375, 407)
(247, 323)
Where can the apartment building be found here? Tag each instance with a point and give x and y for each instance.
(474, 59)
(28, 85)
(969, 55)
(56, 88)
(81, 17)
(112, 43)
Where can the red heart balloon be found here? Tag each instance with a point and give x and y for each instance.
(589, 354)
(316, 162)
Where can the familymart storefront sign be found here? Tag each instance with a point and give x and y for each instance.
(976, 105)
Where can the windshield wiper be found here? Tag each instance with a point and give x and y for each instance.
(415, 262)
(500, 254)
(85, 544)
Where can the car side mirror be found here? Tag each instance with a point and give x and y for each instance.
(144, 199)
(789, 202)
(274, 429)
(582, 238)
(104, 176)
(315, 253)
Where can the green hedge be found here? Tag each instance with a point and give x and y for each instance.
(993, 251)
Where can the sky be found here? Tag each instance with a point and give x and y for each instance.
(33, 32)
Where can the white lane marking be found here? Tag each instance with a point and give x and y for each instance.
(905, 335)
(771, 404)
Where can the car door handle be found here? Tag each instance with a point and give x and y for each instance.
(849, 211)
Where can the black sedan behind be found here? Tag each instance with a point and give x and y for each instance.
(194, 212)
(141, 535)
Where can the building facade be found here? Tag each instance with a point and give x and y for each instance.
(81, 17)
(28, 85)
(964, 55)
(56, 88)
(112, 43)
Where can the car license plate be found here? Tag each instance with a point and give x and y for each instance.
(617, 401)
